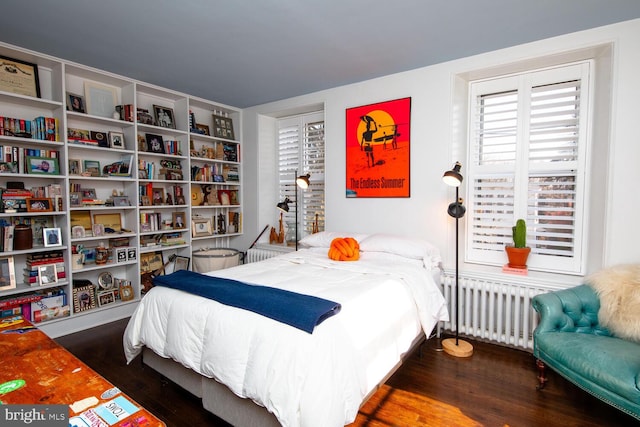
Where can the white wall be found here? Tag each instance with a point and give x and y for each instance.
(435, 126)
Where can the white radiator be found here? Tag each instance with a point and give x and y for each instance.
(495, 310)
(262, 252)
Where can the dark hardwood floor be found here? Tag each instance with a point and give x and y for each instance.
(494, 387)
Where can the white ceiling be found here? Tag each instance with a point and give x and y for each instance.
(249, 52)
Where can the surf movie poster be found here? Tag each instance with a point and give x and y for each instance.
(378, 142)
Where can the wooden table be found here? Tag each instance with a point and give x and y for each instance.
(37, 370)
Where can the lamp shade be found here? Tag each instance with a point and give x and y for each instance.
(303, 181)
(284, 205)
(453, 177)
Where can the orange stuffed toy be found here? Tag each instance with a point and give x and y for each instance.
(344, 249)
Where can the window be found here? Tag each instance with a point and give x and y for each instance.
(301, 151)
(527, 159)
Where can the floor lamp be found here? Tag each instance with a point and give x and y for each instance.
(302, 181)
(456, 347)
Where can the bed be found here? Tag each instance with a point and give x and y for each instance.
(253, 370)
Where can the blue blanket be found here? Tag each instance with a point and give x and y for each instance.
(298, 310)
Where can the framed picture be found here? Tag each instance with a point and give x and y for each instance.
(101, 99)
(89, 193)
(178, 196)
(181, 263)
(77, 232)
(121, 201)
(75, 199)
(101, 137)
(145, 201)
(75, 167)
(157, 196)
(52, 237)
(126, 293)
(112, 222)
(47, 274)
(105, 280)
(106, 298)
(177, 220)
(204, 129)
(42, 165)
(201, 227)
(19, 77)
(151, 261)
(39, 205)
(7, 273)
(75, 103)
(164, 116)
(84, 298)
(98, 230)
(92, 167)
(74, 134)
(222, 127)
(155, 143)
(116, 139)
(377, 149)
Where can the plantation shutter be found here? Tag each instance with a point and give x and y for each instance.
(527, 159)
(301, 151)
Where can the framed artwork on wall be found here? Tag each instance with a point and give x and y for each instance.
(378, 149)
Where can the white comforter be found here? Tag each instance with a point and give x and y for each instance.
(317, 379)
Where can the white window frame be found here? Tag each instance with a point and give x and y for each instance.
(522, 168)
(303, 157)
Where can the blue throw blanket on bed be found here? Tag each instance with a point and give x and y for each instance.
(298, 310)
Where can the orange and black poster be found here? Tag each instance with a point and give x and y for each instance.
(378, 141)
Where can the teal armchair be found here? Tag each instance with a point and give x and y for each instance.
(570, 341)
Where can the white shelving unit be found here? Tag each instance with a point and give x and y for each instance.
(210, 223)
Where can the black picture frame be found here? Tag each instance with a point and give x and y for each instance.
(223, 127)
(76, 103)
(155, 143)
(28, 82)
(164, 117)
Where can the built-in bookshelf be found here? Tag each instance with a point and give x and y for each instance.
(126, 175)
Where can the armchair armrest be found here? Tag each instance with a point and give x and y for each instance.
(569, 310)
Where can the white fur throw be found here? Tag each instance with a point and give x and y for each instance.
(618, 288)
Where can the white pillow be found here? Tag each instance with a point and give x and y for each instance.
(408, 247)
(323, 239)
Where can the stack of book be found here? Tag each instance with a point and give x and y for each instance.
(171, 239)
(36, 261)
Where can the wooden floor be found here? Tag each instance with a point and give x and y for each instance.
(494, 387)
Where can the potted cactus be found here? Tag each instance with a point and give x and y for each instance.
(519, 252)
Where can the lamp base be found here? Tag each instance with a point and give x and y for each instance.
(463, 349)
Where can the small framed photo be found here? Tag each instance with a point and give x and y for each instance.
(201, 227)
(145, 201)
(75, 103)
(84, 298)
(52, 237)
(126, 293)
(181, 263)
(7, 273)
(106, 298)
(42, 165)
(75, 168)
(155, 143)
(77, 232)
(132, 254)
(19, 77)
(75, 199)
(204, 129)
(222, 127)
(98, 230)
(47, 274)
(177, 220)
(121, 255)
(89, 193)
(164, 116)
(121, 201)
(116, 139)
(91, 167)
(39, 205)
(158, 196)
(101, 137)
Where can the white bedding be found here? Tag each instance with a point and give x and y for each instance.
(317, 379)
